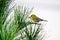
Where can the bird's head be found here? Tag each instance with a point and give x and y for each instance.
(32, 16)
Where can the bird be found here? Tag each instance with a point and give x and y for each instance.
(36, 19)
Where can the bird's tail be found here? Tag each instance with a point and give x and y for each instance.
(45, 20)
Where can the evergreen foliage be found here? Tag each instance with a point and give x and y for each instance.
(19, 25)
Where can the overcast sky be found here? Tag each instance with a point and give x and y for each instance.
(49, 10)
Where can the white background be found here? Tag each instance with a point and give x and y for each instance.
(49, 10)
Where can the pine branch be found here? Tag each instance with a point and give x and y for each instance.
(33, 23)
(20, 15)
(7, 32)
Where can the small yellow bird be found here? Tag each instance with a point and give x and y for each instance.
(35, 18)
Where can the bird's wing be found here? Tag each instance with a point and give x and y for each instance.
(39, 19)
